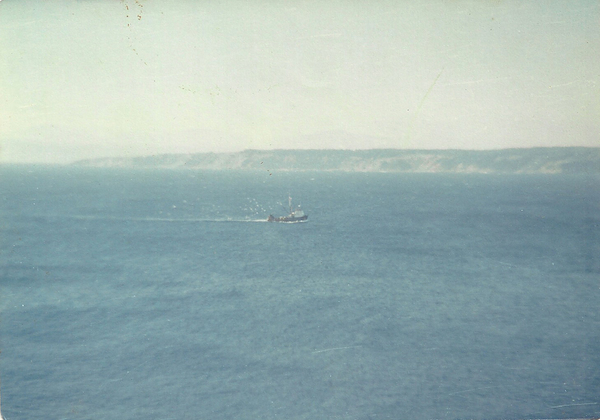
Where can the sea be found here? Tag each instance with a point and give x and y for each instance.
(165, 294)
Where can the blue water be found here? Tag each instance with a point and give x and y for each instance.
(138, 294)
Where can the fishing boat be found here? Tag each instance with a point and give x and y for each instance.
(294, 216)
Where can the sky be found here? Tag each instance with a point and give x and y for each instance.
(99, 78)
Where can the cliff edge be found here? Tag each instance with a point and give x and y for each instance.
(532, 160)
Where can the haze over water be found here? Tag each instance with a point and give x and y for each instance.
(95, 79)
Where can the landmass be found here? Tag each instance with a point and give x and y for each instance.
(571, 160)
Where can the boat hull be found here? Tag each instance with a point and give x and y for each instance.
(287, 219)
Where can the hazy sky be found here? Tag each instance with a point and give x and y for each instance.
(96, 78)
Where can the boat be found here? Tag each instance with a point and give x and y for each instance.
(296, 215)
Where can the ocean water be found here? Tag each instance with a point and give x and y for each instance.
(133, 294)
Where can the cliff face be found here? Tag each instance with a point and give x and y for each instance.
(535, 160)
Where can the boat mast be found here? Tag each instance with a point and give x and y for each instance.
(290, 202)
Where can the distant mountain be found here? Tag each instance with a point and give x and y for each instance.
(533, 160)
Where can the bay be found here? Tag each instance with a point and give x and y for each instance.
(139, 293)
